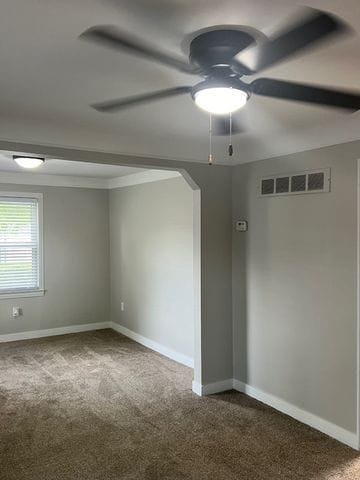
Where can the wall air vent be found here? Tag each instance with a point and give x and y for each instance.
(282, 185)
(314, 181)
(298, 183)
(267, 186)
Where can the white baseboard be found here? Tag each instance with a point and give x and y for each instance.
(334, 431)
(167, 352)
(211, 388)
(196, 388)
(345, 436)
(50, 332)
(324, 426)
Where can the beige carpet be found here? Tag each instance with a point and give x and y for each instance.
(99, 406)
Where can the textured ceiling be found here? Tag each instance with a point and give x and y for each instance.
(49, 77)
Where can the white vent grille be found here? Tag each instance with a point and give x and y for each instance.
(314, 181)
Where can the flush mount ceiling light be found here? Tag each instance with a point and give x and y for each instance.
(28, 162)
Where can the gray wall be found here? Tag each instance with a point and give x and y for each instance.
(151, 253)
(76, 261)
(306, 358)
(215, 362)
(294, 285)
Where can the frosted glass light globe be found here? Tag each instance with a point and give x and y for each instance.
(220, 100)
(29, 162)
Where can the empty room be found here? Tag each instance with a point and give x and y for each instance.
(179, 240)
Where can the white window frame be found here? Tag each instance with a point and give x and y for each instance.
(39, 292)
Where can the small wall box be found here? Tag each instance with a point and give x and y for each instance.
(241, 226)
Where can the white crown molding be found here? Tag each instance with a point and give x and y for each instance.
(16, 178)
(142, 177)
(53, 180)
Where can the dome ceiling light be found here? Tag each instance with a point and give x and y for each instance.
(28, 162)
(220, 100)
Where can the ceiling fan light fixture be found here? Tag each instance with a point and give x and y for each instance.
(220, 100)
(219, 55)
(28, 162)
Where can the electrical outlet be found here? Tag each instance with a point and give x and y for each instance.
(16, 312)
(122, 306)
(241, 226)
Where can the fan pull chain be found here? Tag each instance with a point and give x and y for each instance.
(230, 150)
(210, 157)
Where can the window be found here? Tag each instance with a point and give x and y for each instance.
(20, 244)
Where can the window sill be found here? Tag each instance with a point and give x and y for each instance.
(33, 293)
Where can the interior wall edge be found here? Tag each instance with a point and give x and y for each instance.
(358, 307)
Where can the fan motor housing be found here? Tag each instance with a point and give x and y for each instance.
(218, 47)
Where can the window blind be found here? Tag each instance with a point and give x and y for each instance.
(19, 244)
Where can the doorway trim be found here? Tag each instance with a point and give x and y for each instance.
(358, 311)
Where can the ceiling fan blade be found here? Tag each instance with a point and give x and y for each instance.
(221, 126)
(112, 106)
(306, 32)
(306, 93)
(111, 37)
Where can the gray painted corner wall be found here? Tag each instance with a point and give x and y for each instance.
(294, 285)
(76, 262)
(216, 271)
(151, 262)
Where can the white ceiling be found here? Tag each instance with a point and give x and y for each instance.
(48, 79)
(53, 166)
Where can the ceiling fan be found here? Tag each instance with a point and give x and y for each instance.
(219, 56)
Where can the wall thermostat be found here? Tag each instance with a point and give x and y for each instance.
(16, 312)
(241, 226)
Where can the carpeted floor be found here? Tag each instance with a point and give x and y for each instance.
(98, 406)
